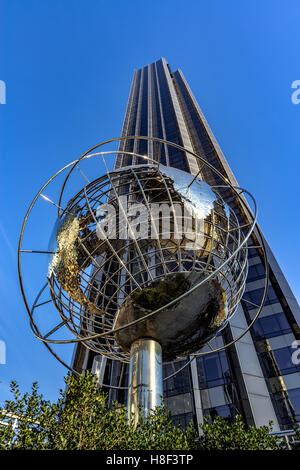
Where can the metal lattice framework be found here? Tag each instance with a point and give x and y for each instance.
(89, 282)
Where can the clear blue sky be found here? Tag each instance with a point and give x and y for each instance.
(68, 64)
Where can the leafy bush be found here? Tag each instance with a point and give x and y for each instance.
(81, 419)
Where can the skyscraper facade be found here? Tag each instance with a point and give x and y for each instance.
(256, 377)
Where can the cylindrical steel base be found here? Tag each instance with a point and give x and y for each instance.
(145, 378)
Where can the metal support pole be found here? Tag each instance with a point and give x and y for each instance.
(145, 378)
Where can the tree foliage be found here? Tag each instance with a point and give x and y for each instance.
(81, 419)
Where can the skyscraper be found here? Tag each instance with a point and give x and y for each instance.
(255, 377)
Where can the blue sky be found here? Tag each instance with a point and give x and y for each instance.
(68, 65)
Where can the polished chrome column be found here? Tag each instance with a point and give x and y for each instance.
(145, 377)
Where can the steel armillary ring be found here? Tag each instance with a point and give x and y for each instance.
(74, 287)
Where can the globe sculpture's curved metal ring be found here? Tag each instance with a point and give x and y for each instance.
(76, 372)
(111, 332)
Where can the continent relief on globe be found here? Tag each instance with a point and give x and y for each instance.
(182, 328)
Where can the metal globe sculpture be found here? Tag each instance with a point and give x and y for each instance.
(170, 235)
(146, 263)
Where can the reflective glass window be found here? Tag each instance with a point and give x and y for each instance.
(279, 362)
(213, 370)
(270, 326)
(255, 296)
(287, 404)
(226, 411)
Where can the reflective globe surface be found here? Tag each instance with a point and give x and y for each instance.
(134, 241)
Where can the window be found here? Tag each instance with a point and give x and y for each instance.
(180, 404)
(213, 370)
(183, 420)
(284, 360)
(252, 252)
(216, 396)
(255, 296)
(279, 362)
(226, 411)
(179, 383)
(257, 271)
(288, 406)
(270, 326)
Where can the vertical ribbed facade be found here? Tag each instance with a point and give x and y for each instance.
(256, 377)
